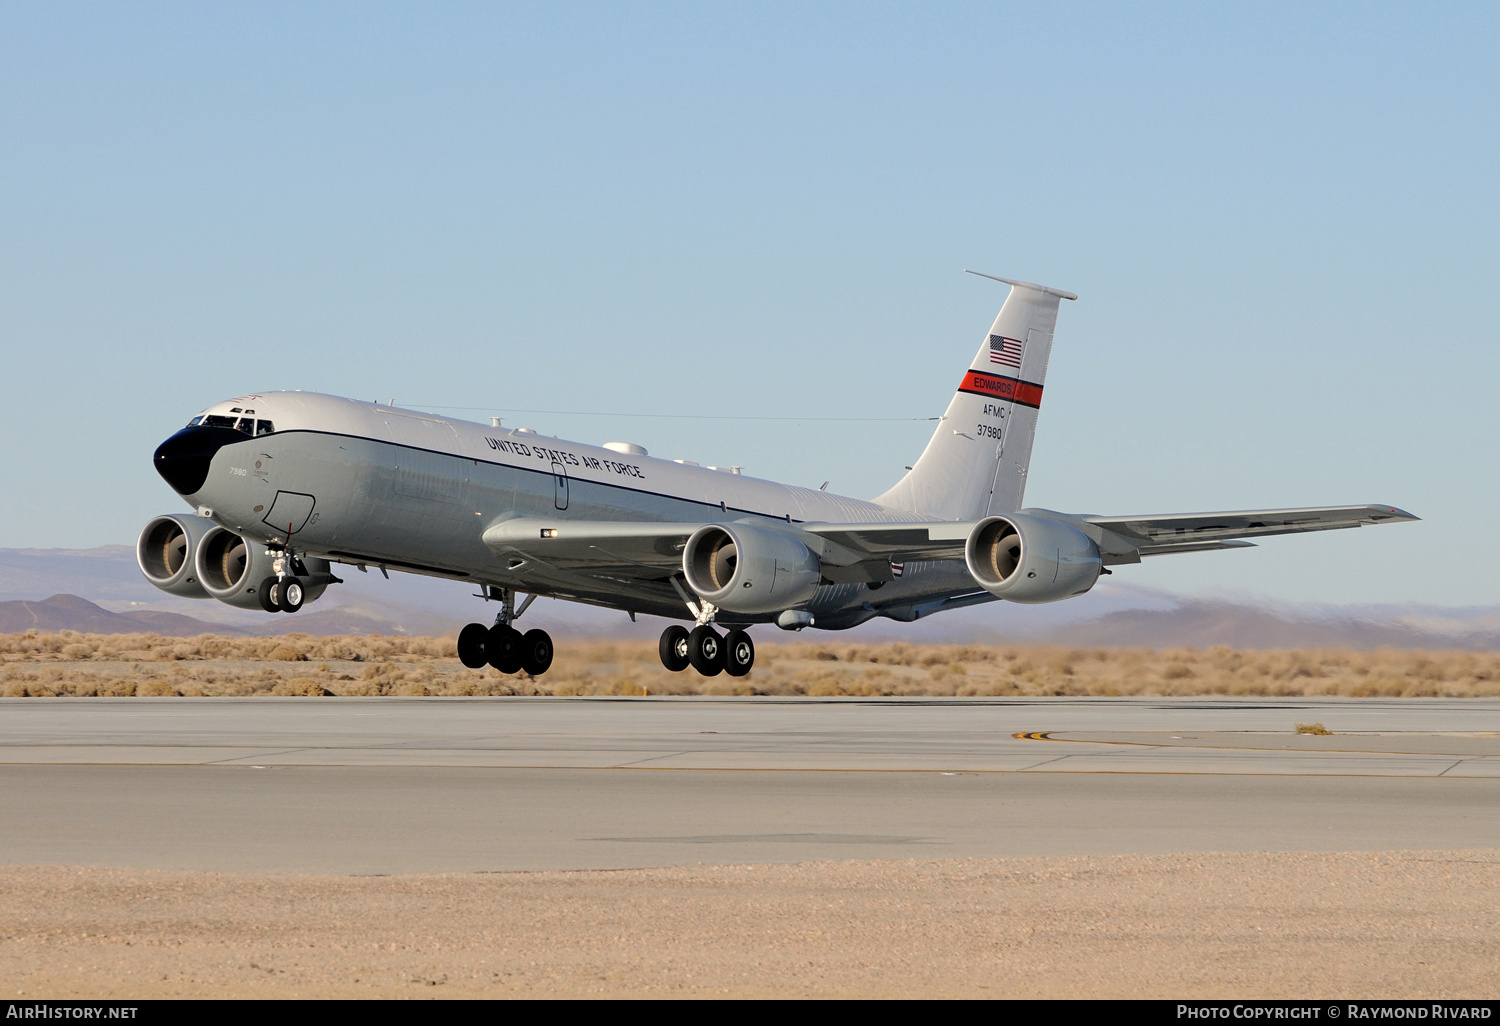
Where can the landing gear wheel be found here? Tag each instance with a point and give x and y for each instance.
(536, 652)
(502, 648)
(269, 595)
(739, 653)
(471, 645)
(706, 651)
(290, 594)
(674, 648)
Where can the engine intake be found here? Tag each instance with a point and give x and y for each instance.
(747, 569)
(166, 549)
(1031, 559)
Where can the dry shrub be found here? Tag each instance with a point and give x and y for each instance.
(300, 686)
(69, 664)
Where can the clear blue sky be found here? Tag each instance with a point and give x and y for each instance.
(1281, 222)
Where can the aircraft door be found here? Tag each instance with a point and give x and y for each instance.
(560, 485)
(290, 512)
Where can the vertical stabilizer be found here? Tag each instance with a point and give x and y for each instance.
(976, 461)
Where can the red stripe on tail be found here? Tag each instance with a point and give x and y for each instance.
(1011, 390)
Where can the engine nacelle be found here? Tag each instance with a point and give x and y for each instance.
(1024, 558)
(232, 569)
(747, 569)
(166, 549)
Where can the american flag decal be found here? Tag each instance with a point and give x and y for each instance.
(897, 569)
(1006, 351)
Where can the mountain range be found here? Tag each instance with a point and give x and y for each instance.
(101, 591)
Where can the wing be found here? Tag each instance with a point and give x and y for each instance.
(1195, 532)
(653, 551)
(864, 552)
(650, 551)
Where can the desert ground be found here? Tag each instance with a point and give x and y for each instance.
(1321, 924)
(83, 665)
(1394, 924)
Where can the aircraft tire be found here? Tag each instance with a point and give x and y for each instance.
(536, 652)
(502, 648)
(471, 646)
(673, 648)
(706, 651)
(739, 653)
(289, 594)
(268, 595)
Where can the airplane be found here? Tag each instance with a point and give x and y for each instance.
(285, 484)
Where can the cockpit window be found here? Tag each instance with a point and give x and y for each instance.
(246, 425)
(264, 427)
(195, 422)
(219, 421)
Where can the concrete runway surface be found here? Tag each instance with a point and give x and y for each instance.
(403, 785)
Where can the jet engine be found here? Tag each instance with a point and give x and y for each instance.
(232, 569)
(166, 549)
(1025, 558)
(747, 569)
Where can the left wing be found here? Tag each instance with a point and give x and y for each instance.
(863, 552)
(848, 552)
(1161, 534)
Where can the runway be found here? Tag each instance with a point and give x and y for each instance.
(392, 785)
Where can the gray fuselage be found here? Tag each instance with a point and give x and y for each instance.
(374, 485)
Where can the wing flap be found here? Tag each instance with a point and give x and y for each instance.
(592, 544)
(942, 539)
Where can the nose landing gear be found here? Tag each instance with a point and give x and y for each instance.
(502, 646)
(286, 591)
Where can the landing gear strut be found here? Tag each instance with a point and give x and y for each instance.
(502, 646)
(702, 648)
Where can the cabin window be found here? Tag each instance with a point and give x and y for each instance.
(219, 421)
(264, 427)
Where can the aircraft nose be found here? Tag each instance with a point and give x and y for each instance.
(183, 460)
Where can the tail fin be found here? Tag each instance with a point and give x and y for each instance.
(976, 462)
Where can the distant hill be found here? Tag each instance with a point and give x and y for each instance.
(1202, 624)
(71, 613)
(117, 599)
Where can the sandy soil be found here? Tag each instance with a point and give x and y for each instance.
(1412, 924)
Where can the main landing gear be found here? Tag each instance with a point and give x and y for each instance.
(703, 648)
(705, 651)
(504, 647)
